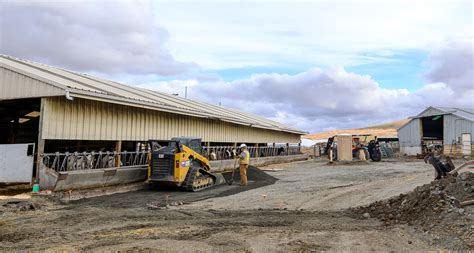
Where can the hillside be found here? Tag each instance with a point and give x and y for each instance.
(383, 130)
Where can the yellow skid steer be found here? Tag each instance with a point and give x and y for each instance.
(181, 164)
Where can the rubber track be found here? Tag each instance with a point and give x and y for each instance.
(191, 177)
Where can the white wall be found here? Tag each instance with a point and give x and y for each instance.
(15, 165)
(411, 151)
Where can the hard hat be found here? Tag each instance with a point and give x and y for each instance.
(243, 145)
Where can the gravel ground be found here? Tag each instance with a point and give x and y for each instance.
(315, 185)
(304, 210)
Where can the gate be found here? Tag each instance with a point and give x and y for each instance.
(466, 144)
(16, 163)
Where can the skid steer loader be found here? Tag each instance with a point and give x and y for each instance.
(181, 164)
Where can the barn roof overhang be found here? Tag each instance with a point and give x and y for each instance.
(72, 84)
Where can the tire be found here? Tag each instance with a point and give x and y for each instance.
(334, 154)
(376, 156)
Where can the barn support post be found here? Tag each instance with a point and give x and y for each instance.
(41, 142)
(14, 129)
(118, 148)
(256, 150)
(235, 148)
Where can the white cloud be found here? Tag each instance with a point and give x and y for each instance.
(232, 34)
(312, 100)
(323, 99)
(108, 37)
(453, 63)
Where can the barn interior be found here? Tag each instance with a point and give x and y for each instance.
(432, 134)
(19, 120)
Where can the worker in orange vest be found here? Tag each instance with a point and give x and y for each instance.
(244, 159)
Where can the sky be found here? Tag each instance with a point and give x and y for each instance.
(314, 65)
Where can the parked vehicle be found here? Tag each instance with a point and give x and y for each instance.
(181, 164)
(374, 150)
(371, 149)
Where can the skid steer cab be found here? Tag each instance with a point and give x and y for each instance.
(180, 163)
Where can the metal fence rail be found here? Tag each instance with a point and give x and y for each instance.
(230, 152)
(99, 160)
(389, 150)
(93, 160)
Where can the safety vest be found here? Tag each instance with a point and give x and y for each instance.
(246, 158)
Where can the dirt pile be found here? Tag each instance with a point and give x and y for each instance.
(256, 177)
(433, 208)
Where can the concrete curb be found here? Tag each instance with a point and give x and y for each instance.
(226, 165)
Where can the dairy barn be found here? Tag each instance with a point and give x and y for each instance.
(66, 122)
(443, 130)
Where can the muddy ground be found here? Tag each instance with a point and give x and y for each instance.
(306, 209)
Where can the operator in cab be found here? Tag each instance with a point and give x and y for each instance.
(244, 159)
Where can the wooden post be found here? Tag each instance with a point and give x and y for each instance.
(208, 144)
(41, 142)
(14, 130)
(273, 150)
(118, 148)
(39, 156)
(256, 151)
(287, 148)
(235, 148)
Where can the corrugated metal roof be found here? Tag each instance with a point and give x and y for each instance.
(465, 113)
(85, 86)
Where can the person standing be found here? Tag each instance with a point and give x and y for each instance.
(244, 159)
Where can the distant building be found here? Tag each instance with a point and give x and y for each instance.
(444, 129)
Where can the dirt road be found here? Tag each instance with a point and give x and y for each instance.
(304, 210)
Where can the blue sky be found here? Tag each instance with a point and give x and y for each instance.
(401, 70)
(404, 70)
(388, 40)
